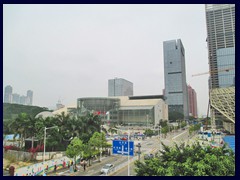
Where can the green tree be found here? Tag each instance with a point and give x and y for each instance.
(75, 148)
(20, 126)
(149, 132)
(189, 160)
(98, 142)
(164, 130)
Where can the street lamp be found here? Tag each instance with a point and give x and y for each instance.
(160, 136)
(101, 144)
(128, 150)
(45, 132)
(147, 121)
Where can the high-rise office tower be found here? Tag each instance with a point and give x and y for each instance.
(220, 21)
(175, 77)
(29, 97)
(120, 87)
(192, 102)
(8, 94)
(23, 100)
(16, 98)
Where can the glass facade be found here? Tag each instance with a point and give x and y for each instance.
(140, 116)
(175, 77)
(112, 111)
(226, 59)
(220, 20)
(120, 87)
(100, 106)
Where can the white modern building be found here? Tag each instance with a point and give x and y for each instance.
(136, 110)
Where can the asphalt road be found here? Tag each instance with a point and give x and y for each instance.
(149, 145)
(153, 145)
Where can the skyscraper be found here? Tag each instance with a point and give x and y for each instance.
(29, 98)
(220, 21)
(8, 94)
(120, 87)
(23, 100)
(192, 102)
(175, 77)
(16, 98)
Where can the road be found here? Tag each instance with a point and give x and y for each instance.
(153, 145)
(149, 145)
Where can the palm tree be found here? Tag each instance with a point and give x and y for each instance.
(18, 126)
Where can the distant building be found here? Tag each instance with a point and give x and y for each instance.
(137, 110)
(192, 102)
(175, 77)
(29, 97)
(120, 87)
(16, 98)
(59, 105)
(8, 94)
(23, 100)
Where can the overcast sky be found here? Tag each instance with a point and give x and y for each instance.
(70, 51)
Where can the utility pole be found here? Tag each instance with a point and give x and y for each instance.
(128, 152)
(139, 151)
(147, 121)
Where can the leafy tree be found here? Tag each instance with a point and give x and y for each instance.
(19, 126)
(11, 111)
(189, 160)
(164, 130)
(194, 128)
(98, 141)
(149, 132)
(75, 148)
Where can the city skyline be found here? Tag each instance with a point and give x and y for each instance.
(70, 51)
(15, 98)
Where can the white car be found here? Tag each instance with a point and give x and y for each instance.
(107, 168)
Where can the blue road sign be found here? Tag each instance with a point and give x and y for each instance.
(121, 147)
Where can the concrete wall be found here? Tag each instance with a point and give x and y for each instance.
(37, 169)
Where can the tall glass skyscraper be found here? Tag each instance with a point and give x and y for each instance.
(29, 97)
(8, 94)
(175, 77)
(120, 87)
(220, 20)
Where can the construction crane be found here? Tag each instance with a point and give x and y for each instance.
(210, 72)
(220, 70)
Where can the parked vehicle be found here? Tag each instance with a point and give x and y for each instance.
(107, 168)
(148, 156)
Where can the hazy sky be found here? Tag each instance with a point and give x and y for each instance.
(70, 51)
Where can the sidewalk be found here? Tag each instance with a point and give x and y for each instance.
(80, 171)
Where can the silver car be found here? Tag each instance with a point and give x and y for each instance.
(107, 168)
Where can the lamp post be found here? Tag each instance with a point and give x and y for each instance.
(101, 145)
(147, 121)
(160, 137)
(139, 151)
(128, 151)
(45, 132)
